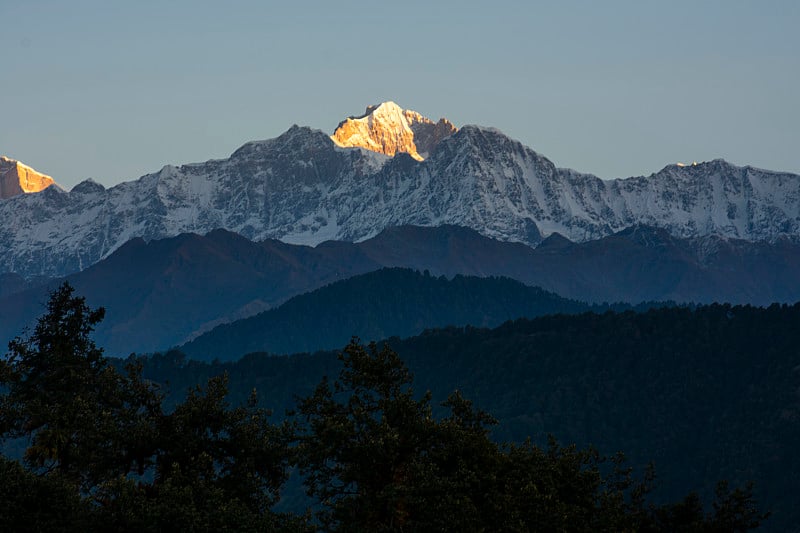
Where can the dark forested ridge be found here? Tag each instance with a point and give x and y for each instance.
(707, 393)
(173, 289)
(378, 305)
(104, 451)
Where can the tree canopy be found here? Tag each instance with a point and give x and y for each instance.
(105, 454)
(376, 458)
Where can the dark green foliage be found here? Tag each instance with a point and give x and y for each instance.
(105, 455)
(705, 394)
(235, 451)
(29, 502)
(378, 460)
(361, 453)
(216, 468)
(85, 421)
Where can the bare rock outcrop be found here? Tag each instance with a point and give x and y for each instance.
(16, 178)
(389, 129)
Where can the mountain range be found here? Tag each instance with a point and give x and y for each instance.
(306, 187)
(395, 224)
(165, 292)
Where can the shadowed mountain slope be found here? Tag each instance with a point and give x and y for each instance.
(165, 292)
(388, 302)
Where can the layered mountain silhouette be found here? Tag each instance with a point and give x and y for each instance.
(395, 224)
(166, 292)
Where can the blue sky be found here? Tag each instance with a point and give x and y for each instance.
(113, 90)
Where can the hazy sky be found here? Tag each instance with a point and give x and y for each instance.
(113, 90)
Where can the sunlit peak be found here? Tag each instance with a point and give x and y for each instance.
(389, 129)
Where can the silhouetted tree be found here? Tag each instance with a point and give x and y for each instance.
(84, 420)
(103, 454)
(377, 460)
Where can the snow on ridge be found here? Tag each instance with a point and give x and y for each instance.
(388, 129)
(302, 188)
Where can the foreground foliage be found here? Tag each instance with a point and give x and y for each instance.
(104, 454)
(378, 460)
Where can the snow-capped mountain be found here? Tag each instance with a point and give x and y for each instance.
(304, 188)
(16, 179)
(389, 129)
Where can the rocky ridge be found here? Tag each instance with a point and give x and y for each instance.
(388, 129)
(16, 179)
(304, 188)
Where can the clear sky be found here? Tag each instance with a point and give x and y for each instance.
(112, 90)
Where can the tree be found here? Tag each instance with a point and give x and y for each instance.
(29, 502)
(362, 439)
(377, 460)
(217, 467)
(103, 454)
(84, 420)
(235, 452)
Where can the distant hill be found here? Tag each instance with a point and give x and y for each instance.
(166, 292)
(160, 293)
(377, 305)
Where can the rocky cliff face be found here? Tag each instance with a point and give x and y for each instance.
(304, 188)
(388, 129)
(16, 178)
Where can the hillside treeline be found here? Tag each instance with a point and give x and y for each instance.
(102, 451)
(706, 393)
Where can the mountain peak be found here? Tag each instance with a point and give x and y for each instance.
(296, 138)
(389, 129)
(17, 178)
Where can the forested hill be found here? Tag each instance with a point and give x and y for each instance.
(707, 394)
(377, 305)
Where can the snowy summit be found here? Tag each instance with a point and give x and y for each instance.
(387, 168)
(388, 129)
